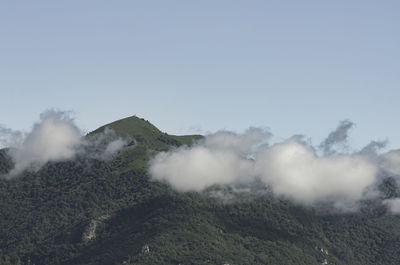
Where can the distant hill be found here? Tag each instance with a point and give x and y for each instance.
(89, 211)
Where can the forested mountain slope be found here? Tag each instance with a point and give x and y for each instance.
(91, 211)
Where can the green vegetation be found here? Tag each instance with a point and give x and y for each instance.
(5, 162)
(146, 133)
(96, 212)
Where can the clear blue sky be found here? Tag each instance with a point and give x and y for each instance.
(297, 67)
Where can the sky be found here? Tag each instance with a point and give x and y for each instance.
(293, 67)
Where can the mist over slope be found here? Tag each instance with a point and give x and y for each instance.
(294, 168)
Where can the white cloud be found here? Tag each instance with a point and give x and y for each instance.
(54, 138)
(199, 167)
(241, 144)
(104, 145)
(390, 162)
(295, 171)
(393, 205)
(113, 147)
(292, 168)
(219, 159)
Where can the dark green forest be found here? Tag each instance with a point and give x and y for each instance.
(89, 211)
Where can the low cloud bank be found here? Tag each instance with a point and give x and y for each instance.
(293, 168)
(54, 138)
(219, 159)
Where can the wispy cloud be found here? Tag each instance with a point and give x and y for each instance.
(337, 138)
(9, 137)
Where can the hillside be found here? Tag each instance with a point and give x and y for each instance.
(90, 211)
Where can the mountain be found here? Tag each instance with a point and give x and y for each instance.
(145, 132)
(91, 211)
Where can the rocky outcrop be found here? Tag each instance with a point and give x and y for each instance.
(325, 253)
(89, 233)
(145, 249)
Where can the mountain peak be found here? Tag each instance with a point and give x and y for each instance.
(143, 131)
(130, 126)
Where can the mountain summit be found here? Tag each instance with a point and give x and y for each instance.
(143, 131)
(131, 126)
